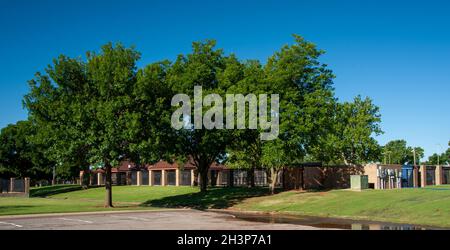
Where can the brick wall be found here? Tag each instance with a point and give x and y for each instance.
(323, 177)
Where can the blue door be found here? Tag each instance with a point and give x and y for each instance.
(407, 176)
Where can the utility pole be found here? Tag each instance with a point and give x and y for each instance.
(389, 157)
(438, 154)
(415, 170)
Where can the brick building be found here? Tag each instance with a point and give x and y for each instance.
(171, 174)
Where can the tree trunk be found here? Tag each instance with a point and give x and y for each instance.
(231, 178)
(85, 179)
(196, 177)
(273, 180)
(251, 177)
(54, 176)
(345, 159)
(204, 180)
(108, 186)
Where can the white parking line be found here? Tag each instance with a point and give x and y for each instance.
(130, 217)
(11, 224)
(85, 221)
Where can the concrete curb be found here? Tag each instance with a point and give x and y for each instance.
(27, 216)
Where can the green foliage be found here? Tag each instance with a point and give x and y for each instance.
(305, 88)
(210, 68)
(152, 110)
(20, 156)
(306, 97)
(99, 111)
(244, 152)
(397, 152)
(103, 110)
(313, 126)
(441, 159)
(349, 138)
(89, 110)
(57, 105)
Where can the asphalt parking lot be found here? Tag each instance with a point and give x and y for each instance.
(148, 220)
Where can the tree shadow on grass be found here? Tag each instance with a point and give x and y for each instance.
(52, 190)
(217, 198)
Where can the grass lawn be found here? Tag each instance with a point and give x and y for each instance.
(427, 206)
(62, 199)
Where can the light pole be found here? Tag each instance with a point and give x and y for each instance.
(389, 155)
(416, 178)
(438, 154)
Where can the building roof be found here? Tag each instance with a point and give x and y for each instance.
(188, 165)
(126, 166)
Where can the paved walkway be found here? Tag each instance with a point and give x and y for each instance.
(141, 220)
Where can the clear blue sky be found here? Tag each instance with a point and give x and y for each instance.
(396, 53)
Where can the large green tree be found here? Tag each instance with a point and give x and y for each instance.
(103, 110)
(57, 105)
(91, 109)
(152, 132)
(440, 159)
(205, 67)
(397, 152)
(349, 138)
(304, 86)
(20, 156)
(245, 150)
(306, 95)
(311, 121)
